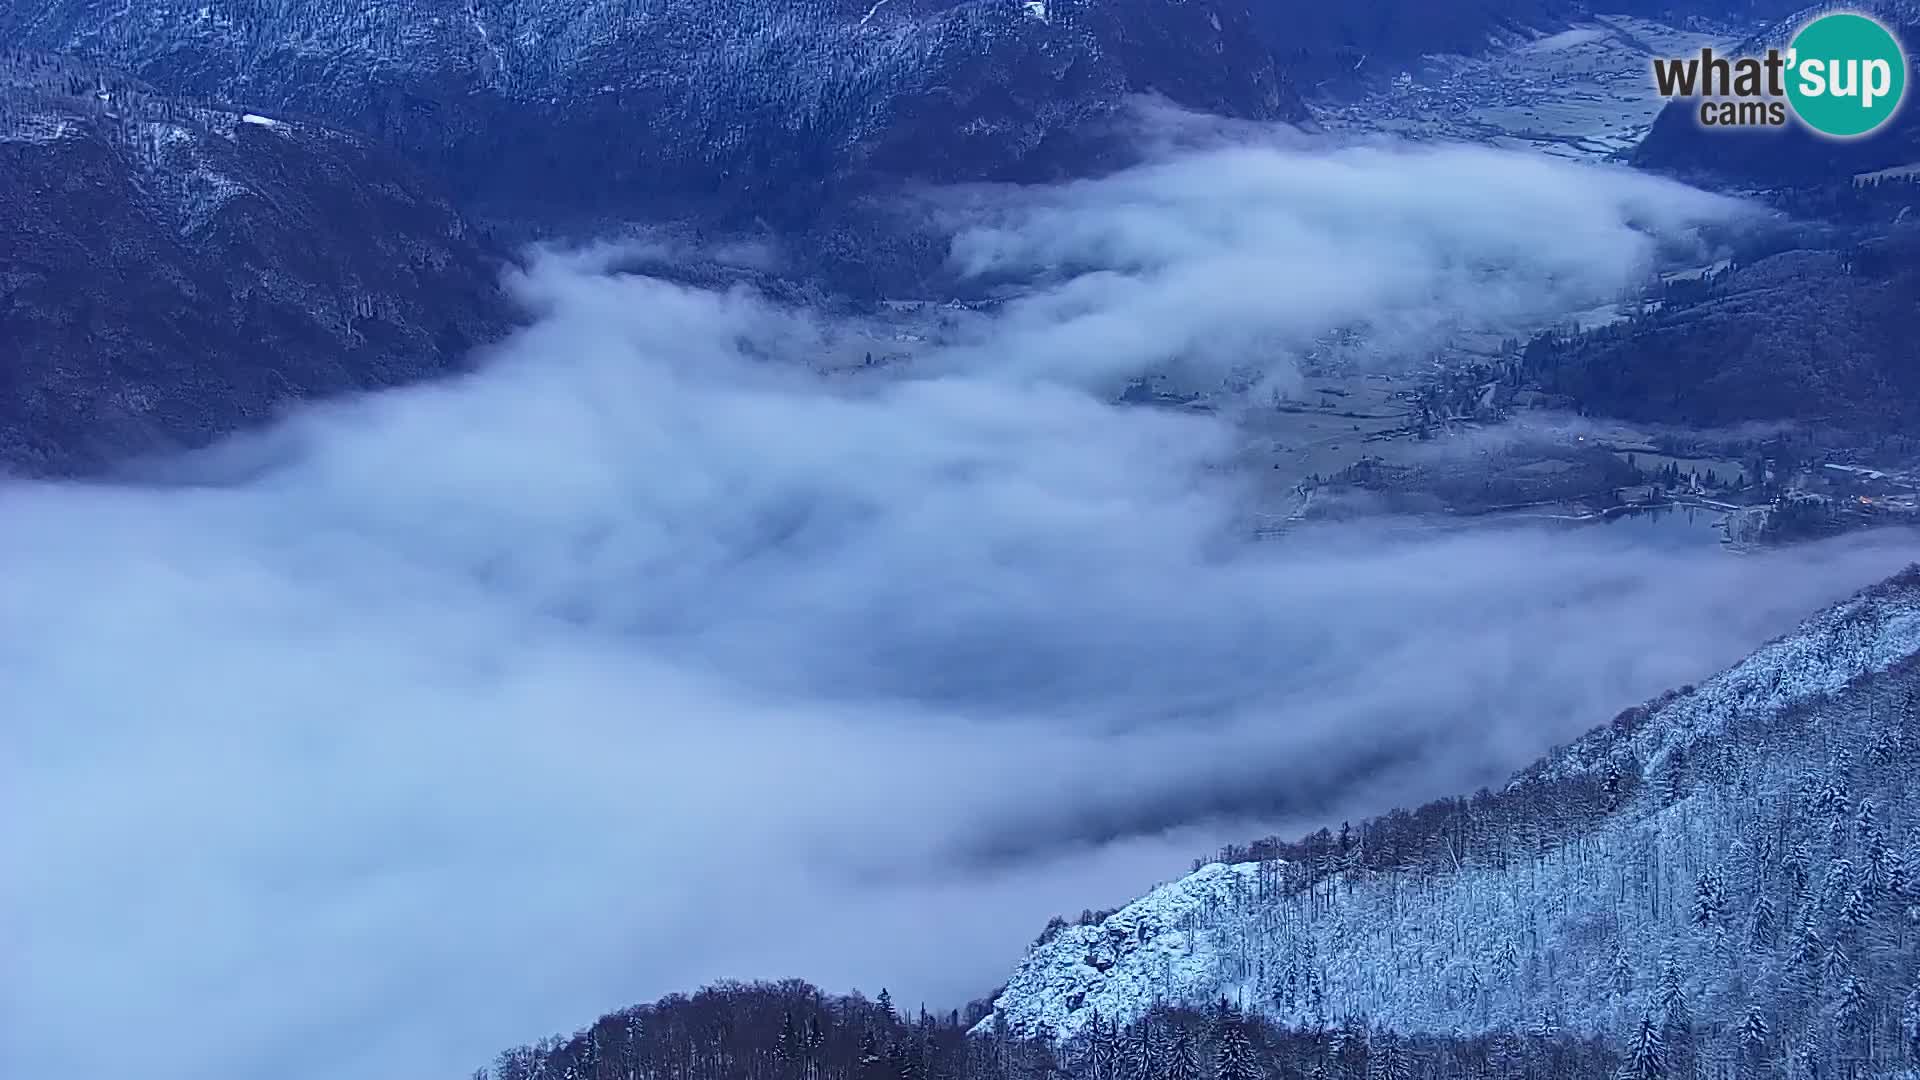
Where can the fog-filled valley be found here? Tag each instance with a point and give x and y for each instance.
(419, 643)
(648, 655)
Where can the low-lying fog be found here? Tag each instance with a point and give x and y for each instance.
(440, 720)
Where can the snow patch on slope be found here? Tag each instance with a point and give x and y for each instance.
(37, 129)
(1144, 953)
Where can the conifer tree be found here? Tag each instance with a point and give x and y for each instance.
(1674, 1016)
(1857, 910)
(1761, 934)
(1706, 902)
(1646, 1056)
(1183, 1062)
(1622, 975)
(1233, 1053)
(814, 1041)
(871, 1064)
(1837, 963)
(902, 1062)
(1910, 1023)
(786, 1048)
(1753, 1028)
(1851, 1011)
(1144, 1052)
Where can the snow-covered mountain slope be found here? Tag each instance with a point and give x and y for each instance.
(171, 271)
(1580, 92)
(1737, 855)
(763, 105)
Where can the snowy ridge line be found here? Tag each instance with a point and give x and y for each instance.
(1566, 929)
(39, 103)
(1866, 633)
(185, 156)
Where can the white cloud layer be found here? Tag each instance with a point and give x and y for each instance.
(438, 720)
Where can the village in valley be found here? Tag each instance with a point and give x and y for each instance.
(1470, 439)
(1464, 436)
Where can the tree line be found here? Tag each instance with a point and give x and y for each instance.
(793, 1031)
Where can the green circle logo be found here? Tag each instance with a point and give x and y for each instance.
(1846, 75)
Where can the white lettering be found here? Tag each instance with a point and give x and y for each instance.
(1847, 87)
(1813, 77)
(1878, 82)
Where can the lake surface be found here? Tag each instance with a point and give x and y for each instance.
(1669, 526)
(1664, 527)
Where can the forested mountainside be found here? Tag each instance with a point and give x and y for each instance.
(1724, 879)
(1815, 333)
(792, 1031)
(763, 108)
(174, 271)
(1724, 882)
(1327, 47)
(769, 109)
(1790, 155)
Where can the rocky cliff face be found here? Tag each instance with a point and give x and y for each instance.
(175, 271)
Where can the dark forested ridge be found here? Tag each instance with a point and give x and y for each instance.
(1821, 331)
(171, 270)
(772, 109)
(793, 1031)
(766, 109)
(1770, 157)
